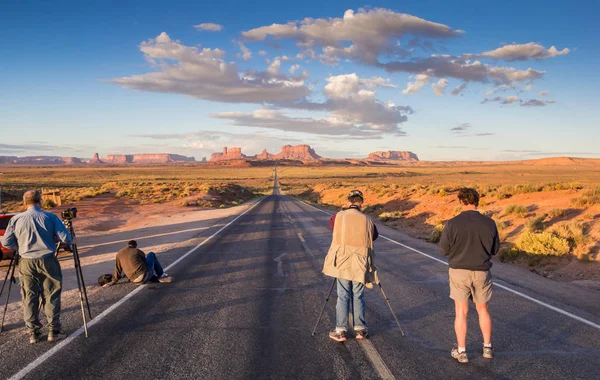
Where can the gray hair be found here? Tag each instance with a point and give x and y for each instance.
(32, 197)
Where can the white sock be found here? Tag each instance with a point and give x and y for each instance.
(487, 345)
(462, 349)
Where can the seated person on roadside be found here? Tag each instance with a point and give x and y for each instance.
(137, 266)
(470, 240)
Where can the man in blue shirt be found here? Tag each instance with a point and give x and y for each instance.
(33, 234)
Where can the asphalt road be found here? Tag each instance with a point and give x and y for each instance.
(244, 304)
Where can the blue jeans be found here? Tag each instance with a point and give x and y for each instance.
(153, 266)
(350, 296)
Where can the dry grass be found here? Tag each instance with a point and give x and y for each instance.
(155, 184)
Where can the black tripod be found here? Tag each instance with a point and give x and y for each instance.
(80, 282)
(329, 295)
(10, 277)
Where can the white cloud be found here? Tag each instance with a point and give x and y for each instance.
(204, 74)
(515, 99)
(523, 52)
(420, 80)
(439, 88)
(294, 68)
(362, 35)
(544, 93)
(352, 106)
(274, 67)
(458, 89)
(209, 27)
(262, 53)
(246, 53)
(449, 67)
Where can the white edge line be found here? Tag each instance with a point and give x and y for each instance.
(541, 303)
(48, 354)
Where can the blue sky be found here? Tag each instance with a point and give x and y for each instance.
(109, 77)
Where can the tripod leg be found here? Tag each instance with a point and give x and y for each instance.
(11, 280)
(7, 274)
(80, 274)
(322, 310)
(390, 306)
(81, 304)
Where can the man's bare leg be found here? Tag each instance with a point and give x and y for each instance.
(460, 322)
(485, 323)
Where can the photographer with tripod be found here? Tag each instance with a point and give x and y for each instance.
(350, 262)
(32, 235)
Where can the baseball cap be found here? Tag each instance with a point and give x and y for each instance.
(356, 193)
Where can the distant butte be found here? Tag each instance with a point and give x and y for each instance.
(393, 155)
(299, 152)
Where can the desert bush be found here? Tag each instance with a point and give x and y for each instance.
(544, 243)
(506, 254)
(48, 204)
(504, 192)
(556, 212)
(500, 225)
(457, 210)
(390, 215)
(515, 209)
(573, 232)
(589, 198)
(537, 224)
(436, 234)
(372, 208)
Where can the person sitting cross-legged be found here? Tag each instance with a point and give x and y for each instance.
(137, 266)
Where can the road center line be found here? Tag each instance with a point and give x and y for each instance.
(541, 303)
(382, 370)
(59, 346)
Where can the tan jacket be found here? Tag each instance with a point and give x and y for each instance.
(350, 256)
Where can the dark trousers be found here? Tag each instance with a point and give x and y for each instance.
(40, 278)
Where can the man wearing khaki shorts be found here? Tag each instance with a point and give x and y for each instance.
(470, 240)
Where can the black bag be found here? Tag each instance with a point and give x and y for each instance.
(105, 279)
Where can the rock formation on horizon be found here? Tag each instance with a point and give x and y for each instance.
(146, 158)
(299, 152)
(96, 159)
(233, 153)
(393, 155)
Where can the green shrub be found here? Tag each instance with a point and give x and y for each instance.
(556, 213)
(589, 198)
(544, 243)
(500, 225)
(573, 232)
(372, 208)
(515, 209)
(537, 224)
(436, 234)
(390, 215)
(48, 204)
(506, 254)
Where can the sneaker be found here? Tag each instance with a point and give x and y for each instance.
(488, 352)
(165, 278)
(460, 356)
(361, 334)
(55, 336)
(338, 335)
(34, 337)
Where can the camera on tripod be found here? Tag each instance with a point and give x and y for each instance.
(70, 213)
